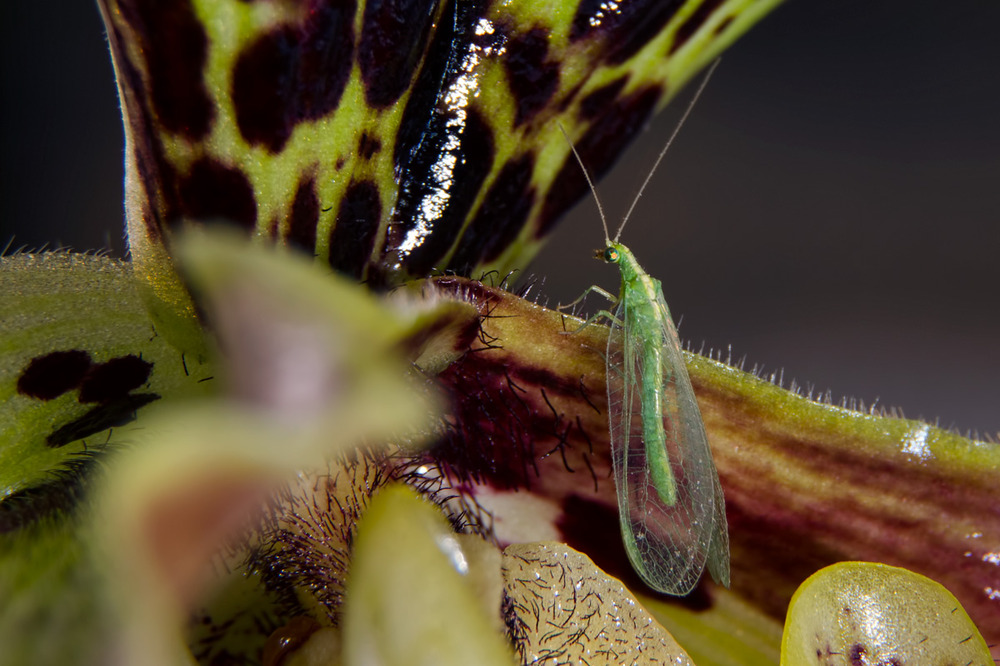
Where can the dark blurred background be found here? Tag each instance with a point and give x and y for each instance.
(830, 210)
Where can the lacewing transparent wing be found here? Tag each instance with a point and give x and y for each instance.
(670, 502)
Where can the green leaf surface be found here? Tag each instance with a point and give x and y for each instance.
(79, 358)
(54, 608)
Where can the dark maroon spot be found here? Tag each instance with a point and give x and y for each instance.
(625, 30)
(533, 78)
(592, 527)
(693, 22)
(150, 224)
(492, 432)
(110, 414)
(157, 178)
(698, 600)
(49, 376)
(368, 146)
(213, 190)
(856, 655)
(112, 380)
(607, 138)
(501, 427)
(500, 217)
(474, 158)
(293, 74)
(563, 102)
(304, 216)
(272, 228)
(164, 184)
(724, 25)
(263, 81)
(353, 237)
(553, 383)
(174, 44)
(325, 61)
(596, 103)
(393, 38)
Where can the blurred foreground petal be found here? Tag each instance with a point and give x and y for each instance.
(409, 597)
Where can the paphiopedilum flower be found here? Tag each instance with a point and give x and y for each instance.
(392, 142)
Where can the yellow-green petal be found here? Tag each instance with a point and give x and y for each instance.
(869, 613)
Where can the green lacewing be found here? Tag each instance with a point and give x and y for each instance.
(670, 502)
